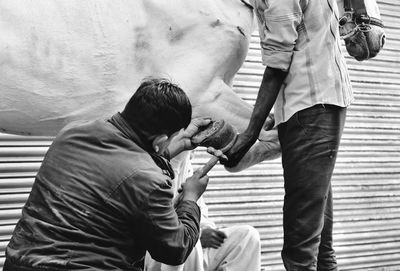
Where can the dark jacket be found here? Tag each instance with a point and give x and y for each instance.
(99, 201)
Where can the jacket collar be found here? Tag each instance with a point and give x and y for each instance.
(136, 136)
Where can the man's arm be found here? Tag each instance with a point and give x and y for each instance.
(278, 42)
(210, 236)
(269, 89)
(171, 233)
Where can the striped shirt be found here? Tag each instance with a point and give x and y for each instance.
(302, 37)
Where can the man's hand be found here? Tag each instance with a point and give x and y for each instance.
(182, 140)
(238, 150)
(266, 97)
(212, 238)
(194, 187)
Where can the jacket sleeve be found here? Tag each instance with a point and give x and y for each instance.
(171, 233)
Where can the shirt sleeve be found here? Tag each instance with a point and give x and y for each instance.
(278, 21)
(171, 233)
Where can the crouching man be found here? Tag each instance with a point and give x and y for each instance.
(103, 195)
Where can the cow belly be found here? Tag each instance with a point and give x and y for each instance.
(65, 60)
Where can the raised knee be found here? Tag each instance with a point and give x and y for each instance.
(253, 233)
(250, 233)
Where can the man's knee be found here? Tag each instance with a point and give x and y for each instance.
(246, 233)
(251, 232)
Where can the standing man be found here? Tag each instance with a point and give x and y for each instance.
(307, 79)
(103, 195)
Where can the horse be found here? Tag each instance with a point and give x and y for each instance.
(67, 60)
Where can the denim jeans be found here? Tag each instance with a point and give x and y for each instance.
(309, 142)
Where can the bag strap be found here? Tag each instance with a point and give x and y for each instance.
(347, 6)
(358, 7)
(359, 11)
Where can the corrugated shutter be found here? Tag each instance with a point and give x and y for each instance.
(20, 159)
(366, 181)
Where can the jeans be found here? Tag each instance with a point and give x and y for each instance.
(309, 142)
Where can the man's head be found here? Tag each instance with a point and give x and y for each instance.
(158, 107)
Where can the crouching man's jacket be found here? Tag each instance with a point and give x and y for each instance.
(99, 201)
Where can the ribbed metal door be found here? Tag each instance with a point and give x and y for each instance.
(366, 181)
(20, 159)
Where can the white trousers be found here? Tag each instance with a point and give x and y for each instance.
(241, 251)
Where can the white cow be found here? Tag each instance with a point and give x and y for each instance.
(66, 60)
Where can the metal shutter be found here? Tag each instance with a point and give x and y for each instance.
(366, 181)
(20, 159)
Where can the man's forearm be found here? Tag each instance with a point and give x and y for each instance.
(172, 243)
(269, 89)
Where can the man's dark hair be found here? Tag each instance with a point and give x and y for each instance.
(158, 107)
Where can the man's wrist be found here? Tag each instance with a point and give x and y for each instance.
(176, 145)
(174, 150)
(190, 196)
(250, 136)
